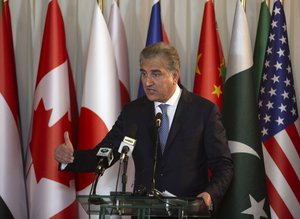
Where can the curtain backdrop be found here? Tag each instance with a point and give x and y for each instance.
(182, 20)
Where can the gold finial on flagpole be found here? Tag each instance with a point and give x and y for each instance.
(118, 3)
(267, 3)
(244, 2)
(100, 2)
(282, 2)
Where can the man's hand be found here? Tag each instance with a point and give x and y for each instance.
(64, 152)
(207, 199)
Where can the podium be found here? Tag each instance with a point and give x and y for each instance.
(143, 206)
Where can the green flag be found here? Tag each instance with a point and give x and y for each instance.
(247, 195)
(261, 44)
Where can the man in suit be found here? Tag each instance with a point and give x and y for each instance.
(195, 139)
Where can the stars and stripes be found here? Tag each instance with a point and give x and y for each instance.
(278, 117)
(277, 103)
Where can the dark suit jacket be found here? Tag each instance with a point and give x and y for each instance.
(195, 143)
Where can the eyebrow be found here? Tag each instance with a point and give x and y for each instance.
(153, 70)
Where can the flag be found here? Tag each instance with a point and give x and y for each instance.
(208, 74)
(101, 103)
(279, 122)
(156, 33)
(12, 184)
(261, 44)
(51, 193)
(222, 67)
(247, 194)
(119, 41)
(118, 37)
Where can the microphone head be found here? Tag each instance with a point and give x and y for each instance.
(129, 141)
(105, 156)
(158, 118)
(106, 153)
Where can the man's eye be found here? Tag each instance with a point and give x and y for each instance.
(156, 74)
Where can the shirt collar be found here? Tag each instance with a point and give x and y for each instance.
(173, 99)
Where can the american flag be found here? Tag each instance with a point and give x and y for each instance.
(278, 118)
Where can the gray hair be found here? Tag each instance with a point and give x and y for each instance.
(163, 50)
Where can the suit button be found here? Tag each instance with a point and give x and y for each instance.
(161, 174)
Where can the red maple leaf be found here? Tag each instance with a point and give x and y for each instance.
(43, 143)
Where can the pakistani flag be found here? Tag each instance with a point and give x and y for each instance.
(247, 195)
(261, 41)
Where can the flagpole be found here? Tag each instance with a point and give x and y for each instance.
(282, 2)
(244, 2)
(267, 3)
(118, 3)
(100, 2)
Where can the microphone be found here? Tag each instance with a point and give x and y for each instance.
(128, 143)
(126, 148)
(105, 158)
(158, 118)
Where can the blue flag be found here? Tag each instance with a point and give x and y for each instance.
(154, 33)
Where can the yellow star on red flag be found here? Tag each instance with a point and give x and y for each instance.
(217, 91)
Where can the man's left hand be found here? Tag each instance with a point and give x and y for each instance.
(207, 199)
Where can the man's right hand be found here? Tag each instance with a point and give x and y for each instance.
(64, 152)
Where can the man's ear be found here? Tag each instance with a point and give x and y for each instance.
(176, 76)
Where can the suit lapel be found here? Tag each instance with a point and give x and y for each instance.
(149, 118)
(178, 119)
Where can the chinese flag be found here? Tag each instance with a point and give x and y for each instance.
(208, 74)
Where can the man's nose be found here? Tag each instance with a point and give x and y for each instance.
(148, 81)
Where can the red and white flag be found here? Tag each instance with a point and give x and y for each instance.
(118, 37)
(100, 102)
(119, 40)
(51, 193)
(12, 184)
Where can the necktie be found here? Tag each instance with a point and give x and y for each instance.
(164, 129)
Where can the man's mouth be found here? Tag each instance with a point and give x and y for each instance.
(151, 91)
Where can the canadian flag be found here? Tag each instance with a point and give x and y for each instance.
(51, 193)
(101, 103)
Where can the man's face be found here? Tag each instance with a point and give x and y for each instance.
(159, 83)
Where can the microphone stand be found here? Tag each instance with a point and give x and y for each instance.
(98, 173)
(153, 189)
(124, 176)
(95, 184)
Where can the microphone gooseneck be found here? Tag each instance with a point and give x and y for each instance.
(126, 148)
(158, 119)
